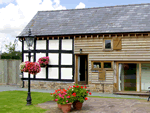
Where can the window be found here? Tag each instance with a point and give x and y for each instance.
(107, 44)
(100, 65)
(107, 64)
(97, 65)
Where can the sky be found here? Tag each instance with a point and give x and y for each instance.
(16, 14)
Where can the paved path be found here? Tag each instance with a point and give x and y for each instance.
(104, 105)
(11, 88)
(95, 105)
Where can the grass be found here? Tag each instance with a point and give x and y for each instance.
(15, 101)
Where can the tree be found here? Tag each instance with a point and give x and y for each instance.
(12, 53)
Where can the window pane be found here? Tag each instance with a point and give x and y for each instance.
(107, 44)
(97, 65)
(107, 65)
(145, 79)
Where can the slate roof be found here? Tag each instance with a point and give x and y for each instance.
(123, 18)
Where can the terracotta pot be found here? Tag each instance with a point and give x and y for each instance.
(59, 106)
(77, 105)
(66, 107)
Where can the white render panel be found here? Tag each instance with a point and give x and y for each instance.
(66, 59)
(26, 75)
(39, 55)
(53, 73)
(66, 44)
(42, 73)
(53, 58)
(26, 48)
(53, 44)
(66, 73)
(41, 44)
(26, 57)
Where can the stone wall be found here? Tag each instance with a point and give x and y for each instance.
(48, 84)
(108, 88)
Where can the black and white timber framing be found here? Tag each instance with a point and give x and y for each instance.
(60, 71)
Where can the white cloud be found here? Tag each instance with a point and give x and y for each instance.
(13, 18)
(5, 1)
(81, 5)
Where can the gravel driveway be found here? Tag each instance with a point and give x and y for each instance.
(104, 105)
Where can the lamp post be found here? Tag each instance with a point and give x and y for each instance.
(29, 40)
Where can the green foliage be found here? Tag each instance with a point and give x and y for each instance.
(80, 92)
(62, 97)
(15, 102)
(12, 54)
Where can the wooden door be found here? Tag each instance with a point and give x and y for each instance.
(82, 69)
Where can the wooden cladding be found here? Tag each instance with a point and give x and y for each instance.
(102, 75)
(117, 43)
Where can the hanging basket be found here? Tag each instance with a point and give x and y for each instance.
(43, 65)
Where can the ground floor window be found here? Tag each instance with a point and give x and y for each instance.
(129, 76)
(145, 76)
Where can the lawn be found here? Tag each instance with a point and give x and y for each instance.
(15, 101)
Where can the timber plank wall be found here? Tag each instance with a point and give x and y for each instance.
(133, 49)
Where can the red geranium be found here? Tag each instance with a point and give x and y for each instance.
(77, 86)
(74, 94)
(81, 86)
(74, 86)
(86, 98)
(90, 93)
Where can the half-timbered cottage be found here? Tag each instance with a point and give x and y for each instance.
(106, 48)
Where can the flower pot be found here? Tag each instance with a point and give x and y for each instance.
(77, 105)
(66, 107)
(59, 106)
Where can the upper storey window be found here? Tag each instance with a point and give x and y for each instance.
(107, 44)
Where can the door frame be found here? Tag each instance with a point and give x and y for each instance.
(136, 62)
(76, 68)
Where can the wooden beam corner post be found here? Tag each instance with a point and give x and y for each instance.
(140, 75)
(76, 69)
(117, 76)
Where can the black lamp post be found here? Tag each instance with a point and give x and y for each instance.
(29, 40)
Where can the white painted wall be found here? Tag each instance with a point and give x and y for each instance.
(53, 58)
(39, 55)
(145, 76)
(26, 48)
(41, 44)
(66, 44)
(26, 75)
(53, 73)
(53, 44)
(26, 57)
(42, 73)
(66, 73)
(66, 59)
